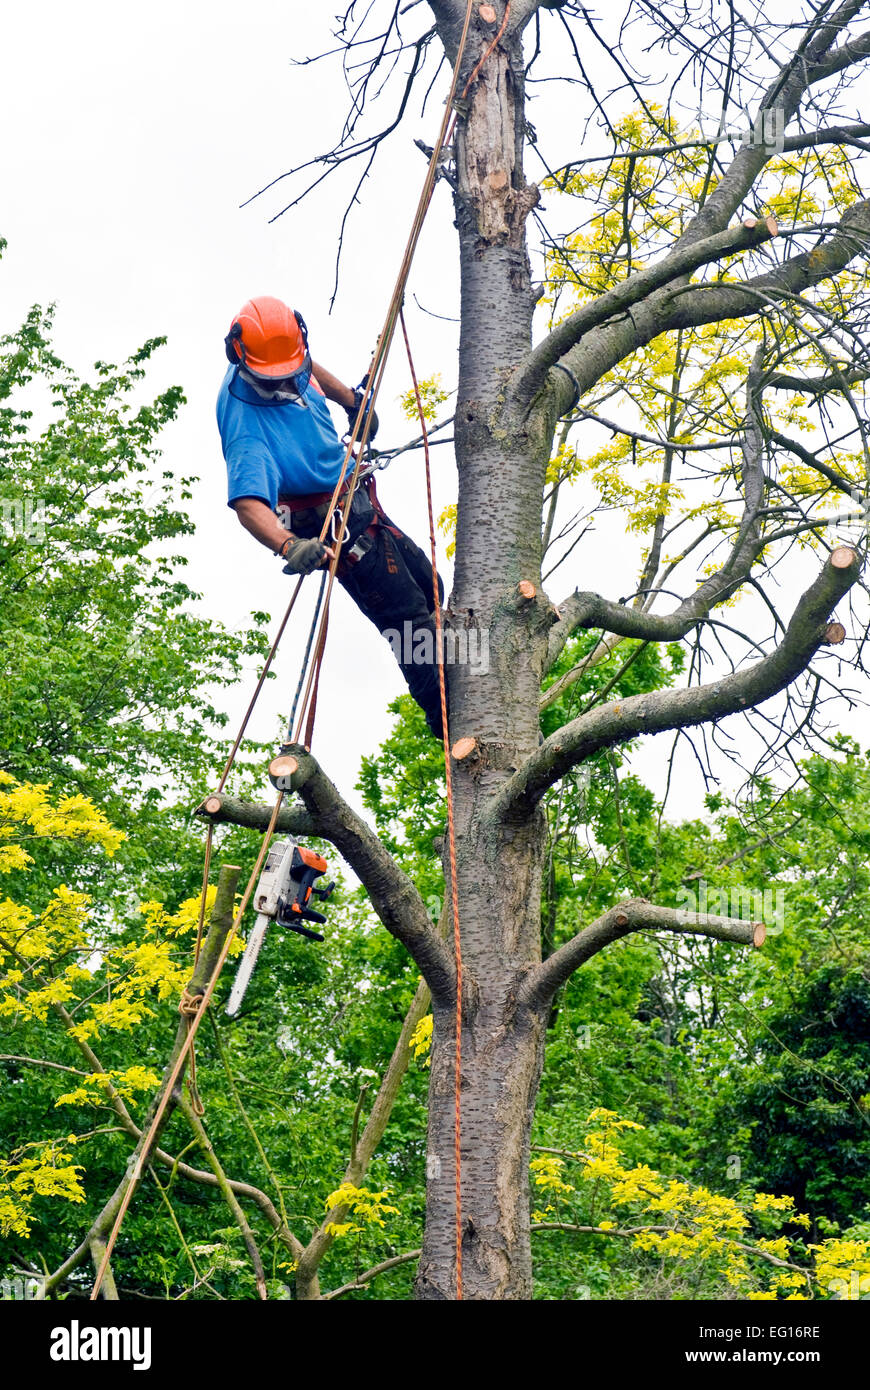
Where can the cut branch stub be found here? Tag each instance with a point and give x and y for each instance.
(487, 14)
(212, 805)
(526, 589)
(769, 222)
(759, 934)
(463, 748)
(282, 770)
(835, 634)
(842, 557)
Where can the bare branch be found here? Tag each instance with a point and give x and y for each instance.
(655, 711)
(816, 385)
(691, 306)
(843, 57)
(362, 1151)
(632, 915)
(584, 610)
(812, 461)
(833, 135)
(362, 1279)
(679, 262)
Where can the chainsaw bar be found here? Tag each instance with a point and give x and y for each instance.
(247, 963)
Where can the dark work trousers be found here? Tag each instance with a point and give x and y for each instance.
(392, 585)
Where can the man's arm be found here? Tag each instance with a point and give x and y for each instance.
(257, 517)
(332, 388)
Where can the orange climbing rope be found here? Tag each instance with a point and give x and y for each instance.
(358, 439)
(451, 827)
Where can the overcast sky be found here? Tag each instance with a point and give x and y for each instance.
(133, 136)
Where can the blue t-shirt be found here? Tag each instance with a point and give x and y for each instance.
(276, 448)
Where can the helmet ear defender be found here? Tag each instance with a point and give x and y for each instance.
(303, 327)
(234, 336)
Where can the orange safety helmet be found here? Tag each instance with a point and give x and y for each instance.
(268, 338)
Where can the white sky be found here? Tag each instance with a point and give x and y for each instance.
(133, 134)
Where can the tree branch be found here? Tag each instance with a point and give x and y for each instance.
(816, 385)
(842, 57)
(584, 610)
(229, 1196)
(393, 895)
(629, 1232)
(220, 923)
(692, 306)
(682, 260)
(362, 1152)
(635, 914)
(655, 711)
(362, 1279)
(842, 484)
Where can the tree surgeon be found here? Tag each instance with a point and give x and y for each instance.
(284, 457)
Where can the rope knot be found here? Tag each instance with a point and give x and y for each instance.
(189, 1004)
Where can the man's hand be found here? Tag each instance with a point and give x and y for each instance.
(258, 518)
(353, 410)
(305, 556)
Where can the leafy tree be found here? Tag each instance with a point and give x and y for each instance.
(99, 633)
(806, 1105)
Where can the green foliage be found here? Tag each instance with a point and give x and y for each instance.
(99, 632)
(806, 1100)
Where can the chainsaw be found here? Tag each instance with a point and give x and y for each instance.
(283, 895)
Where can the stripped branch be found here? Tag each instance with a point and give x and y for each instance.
(633, 915)
(655, 711)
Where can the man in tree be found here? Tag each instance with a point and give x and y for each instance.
(284, 457)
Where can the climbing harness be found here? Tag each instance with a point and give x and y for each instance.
(280, 771)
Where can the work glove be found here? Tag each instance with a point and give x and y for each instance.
(358, 395)
(303, 557)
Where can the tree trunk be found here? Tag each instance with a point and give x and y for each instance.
(501, 465)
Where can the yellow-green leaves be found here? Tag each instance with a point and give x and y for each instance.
(447, 524)
(420, 1041)
(688, 387)
(368, 1207)
(51, 957)
(546, 1174)
(25, 808)
(432, 394)
(95, 1088)
(674, 1219)
(46, 1173)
